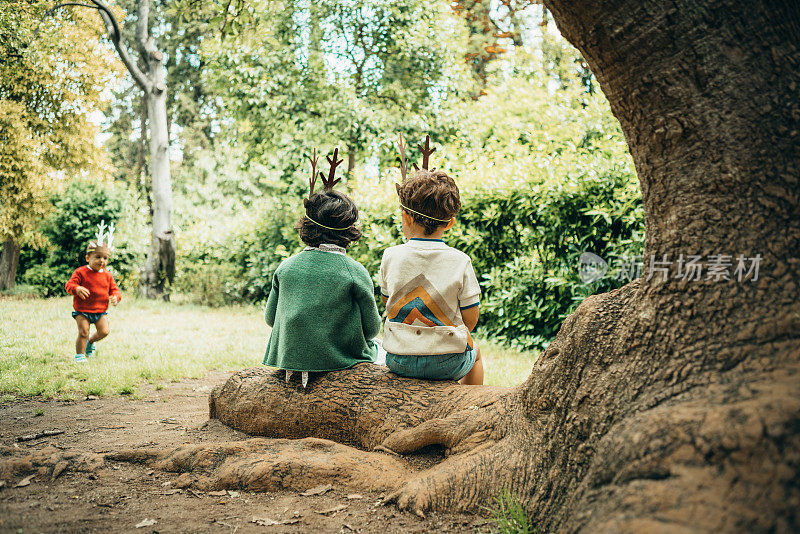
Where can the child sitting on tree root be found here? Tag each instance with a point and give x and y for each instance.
(321, 307)
(430, 289)
(93, 288)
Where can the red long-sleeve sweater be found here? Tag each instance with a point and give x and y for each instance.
(100, 285)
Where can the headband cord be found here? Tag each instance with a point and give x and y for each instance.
(328, 227)
(428, 216)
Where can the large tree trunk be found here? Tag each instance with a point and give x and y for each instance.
(9, 261)
(669, 404)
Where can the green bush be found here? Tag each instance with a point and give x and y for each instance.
(238, 266)
(544, 176)
(47, 280)
(525, 245)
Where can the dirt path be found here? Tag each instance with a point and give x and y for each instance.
(119, 496)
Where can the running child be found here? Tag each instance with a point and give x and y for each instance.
(93, 288)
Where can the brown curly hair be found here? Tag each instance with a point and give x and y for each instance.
(333, 209)
(433, 193)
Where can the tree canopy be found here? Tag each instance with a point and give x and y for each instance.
(51, 84)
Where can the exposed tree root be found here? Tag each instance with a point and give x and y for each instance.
(359, 406)
(270, 464)
(49, 462)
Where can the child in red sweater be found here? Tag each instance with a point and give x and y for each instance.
(93, 288)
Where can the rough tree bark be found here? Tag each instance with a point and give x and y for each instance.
(159, 267)
(666, 404)
(9, 260)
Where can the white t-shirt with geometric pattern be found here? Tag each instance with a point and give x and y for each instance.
(427, 284)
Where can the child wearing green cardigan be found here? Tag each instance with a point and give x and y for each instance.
(321, 307)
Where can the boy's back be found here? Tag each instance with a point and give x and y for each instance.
(427, 284)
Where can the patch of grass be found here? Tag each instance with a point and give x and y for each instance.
(503, 366)
(510, 516)
(149, 341)
(154, 342)
(95, 389)
(7, 398)
(38, 412)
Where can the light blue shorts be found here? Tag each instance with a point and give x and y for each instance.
(433, 367)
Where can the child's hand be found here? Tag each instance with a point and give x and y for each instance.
(113, 299)
(81, 292)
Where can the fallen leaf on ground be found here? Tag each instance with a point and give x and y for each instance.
(220, 493)
(267, 522)
(331, 510)
(59, 468)
(146, 523)
(25, 481)
(355, 496)
(233, 493)
(317, 490)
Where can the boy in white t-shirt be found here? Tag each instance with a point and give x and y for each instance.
(430, 289)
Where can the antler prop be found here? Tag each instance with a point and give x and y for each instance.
(313, 180)
(426, 152)
(330, 182)
(101, 232)
(110, 236)
(403, 163)
(104, 236)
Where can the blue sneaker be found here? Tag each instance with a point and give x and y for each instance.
(90, 350)
(80, 358)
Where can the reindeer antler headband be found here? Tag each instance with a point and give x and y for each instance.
(426, 154)
(327, 183)
(104, 237)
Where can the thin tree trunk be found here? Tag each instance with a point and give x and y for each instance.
(159, 268)
(9, 261)
(141, 161)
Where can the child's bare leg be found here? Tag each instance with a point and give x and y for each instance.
(83, 334)
(103, 328)
(475, 375)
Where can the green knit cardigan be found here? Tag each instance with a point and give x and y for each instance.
(322, 312)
